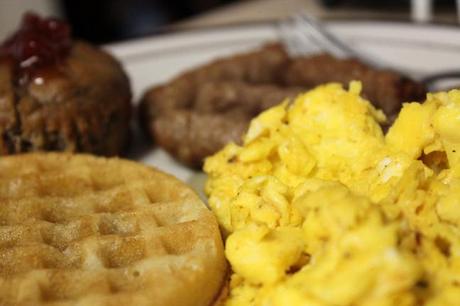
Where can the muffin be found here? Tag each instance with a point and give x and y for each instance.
(57, 94)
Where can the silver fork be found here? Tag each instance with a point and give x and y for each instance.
(302, 33)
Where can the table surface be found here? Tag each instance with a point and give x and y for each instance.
(269, 10)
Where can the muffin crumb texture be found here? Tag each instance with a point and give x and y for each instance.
(80, 104)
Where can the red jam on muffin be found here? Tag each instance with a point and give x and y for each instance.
(59, 94)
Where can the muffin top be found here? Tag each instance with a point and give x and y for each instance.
(61, 95)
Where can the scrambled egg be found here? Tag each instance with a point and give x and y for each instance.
(321, 208)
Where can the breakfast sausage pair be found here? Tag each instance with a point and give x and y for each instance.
(198, 112)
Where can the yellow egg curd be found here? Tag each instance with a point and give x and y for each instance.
(319, 207)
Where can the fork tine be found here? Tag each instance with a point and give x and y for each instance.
(302, 33)
(305, 38)
(334, 43)
(292, 36)
(328, 40)
(308, 31)
(285, 29)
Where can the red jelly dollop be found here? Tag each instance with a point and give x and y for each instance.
(39, 42)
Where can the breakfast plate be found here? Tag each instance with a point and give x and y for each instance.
(316, 194)
(426, 49)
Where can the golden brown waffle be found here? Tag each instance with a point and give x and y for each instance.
(81, 230)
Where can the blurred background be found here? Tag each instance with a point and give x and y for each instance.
(107, 21)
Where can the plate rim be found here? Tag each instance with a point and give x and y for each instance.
(120, 48)
(182, 30)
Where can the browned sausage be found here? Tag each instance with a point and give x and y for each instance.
(197, 113)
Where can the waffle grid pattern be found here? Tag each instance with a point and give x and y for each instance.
(82, 230)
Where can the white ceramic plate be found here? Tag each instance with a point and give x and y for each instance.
(154, 60)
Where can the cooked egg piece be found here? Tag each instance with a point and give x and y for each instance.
(320, 208)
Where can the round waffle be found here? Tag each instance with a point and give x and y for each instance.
(82, 230)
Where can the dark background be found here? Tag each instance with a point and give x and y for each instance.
(103, 21)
